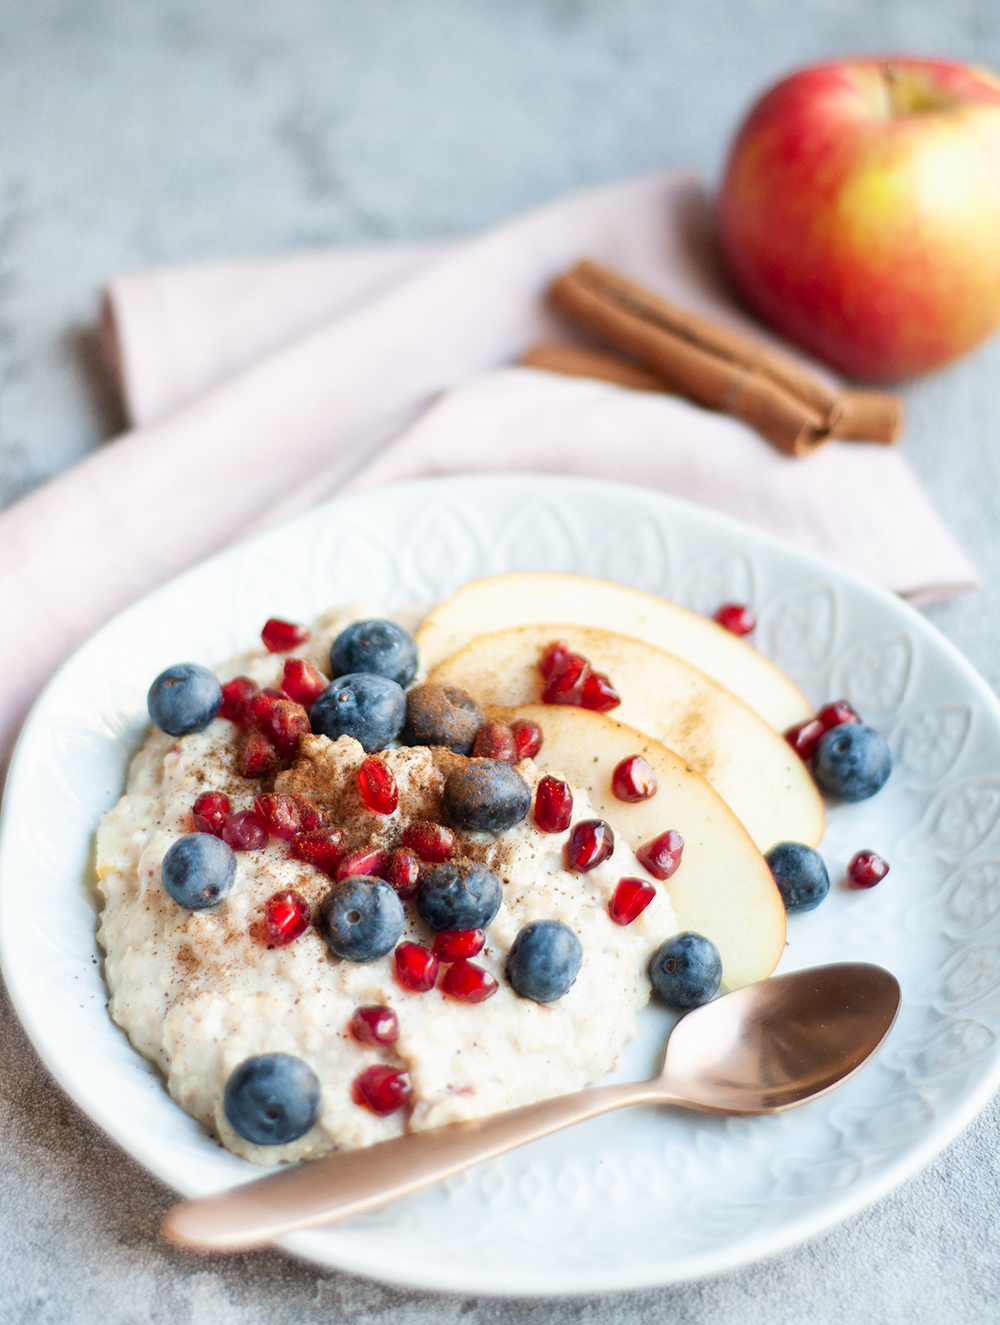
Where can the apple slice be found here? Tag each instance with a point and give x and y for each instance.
(753, 769)
(522, 598)
(723, 887)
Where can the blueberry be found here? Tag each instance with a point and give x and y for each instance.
(544, 960)
(800, 874)
(458, 894)
(375, 646)
(361, 919)
(368, 707)
(441, 715)
(185, 698)
(272, 1099)
(851, 762)
(686, 970)
(487, 794)
(199, 870)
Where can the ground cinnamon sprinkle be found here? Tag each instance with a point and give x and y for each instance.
(326, 773)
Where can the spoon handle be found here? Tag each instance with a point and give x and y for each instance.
(350, 1181)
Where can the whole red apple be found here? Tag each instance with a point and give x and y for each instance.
(860, 212)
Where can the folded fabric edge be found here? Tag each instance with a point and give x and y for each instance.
(171, 334)
(527, 420)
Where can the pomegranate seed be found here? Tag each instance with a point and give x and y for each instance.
(553, 658)
(662, 855)
(553, 805)
(630, 899)
(403, 872)
(257, 710)
(836, 714)
(210, 812)
(867, 869)
(416, 967)
(278, 815)
(468, 982)
(374, 1024)
(565, 686)
(599, 695)
(280, 636)
(324, 849)
(454, 945)
(286, 722)
(495, 740)
(590, 842)
(527, 737)
(382, 1089)
(310, 818)
(430, 841)
(259, 756)
(804, 737)
(235, 694)
(286, 917)
(633, 780)
(369, 860)
(301, 681)
(736, 618)
(243, 832)
(378, 786)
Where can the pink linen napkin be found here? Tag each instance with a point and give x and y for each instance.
(172, 333)
(529, 421)
(259, 389)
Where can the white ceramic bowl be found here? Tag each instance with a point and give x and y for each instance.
(632, 1199)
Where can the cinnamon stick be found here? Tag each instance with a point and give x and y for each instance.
(691, 370)
(866, 414)
(719, 368)
(869, 416)
(574, 362)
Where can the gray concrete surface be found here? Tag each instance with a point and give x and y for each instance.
(142, 132)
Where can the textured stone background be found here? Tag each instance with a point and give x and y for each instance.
(137, 133)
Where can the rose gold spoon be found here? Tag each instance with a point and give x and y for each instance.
(764, 1048)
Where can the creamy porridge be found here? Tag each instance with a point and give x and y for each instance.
(199, 991)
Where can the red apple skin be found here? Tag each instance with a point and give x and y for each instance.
(860, 213)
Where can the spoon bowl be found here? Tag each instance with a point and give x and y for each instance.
(776, 1044)
(762, 1049)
